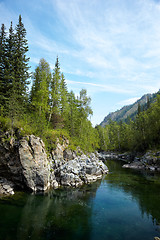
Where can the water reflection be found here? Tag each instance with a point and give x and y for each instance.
(114, 208)
(143, 186)
(60, 214)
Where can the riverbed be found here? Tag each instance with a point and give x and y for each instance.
(125, 204)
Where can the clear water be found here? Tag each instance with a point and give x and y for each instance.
(124, 205)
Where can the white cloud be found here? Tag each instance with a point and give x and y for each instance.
(101, 87)
(128, 101)
(112, 43)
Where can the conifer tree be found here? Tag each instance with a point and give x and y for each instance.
(148, 102)
(2, 66)
(64, 105)
(21, 74)
(9, 64)
(55, 116)
(17, 73)
(139, 108)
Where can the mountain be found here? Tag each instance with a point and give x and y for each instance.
(129, 111)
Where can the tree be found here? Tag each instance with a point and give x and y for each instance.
(148, 102)
(21, 61)
(139, 108)
(9, 64)
(55, 95)
(2, 66)
(39, 96)
(72, 114)
(63, 95)
(64, 105)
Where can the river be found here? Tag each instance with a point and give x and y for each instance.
(125, 204)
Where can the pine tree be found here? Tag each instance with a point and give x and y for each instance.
(17, 73)
(9, 64)
(148, 102)
(2, 66)
(64, 105)
(21, 74)
(55, 116)
(63, 94)
(139, 109)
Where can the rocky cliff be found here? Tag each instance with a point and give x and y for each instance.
(24, 164)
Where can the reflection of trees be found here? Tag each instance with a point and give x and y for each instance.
(143, 186)
(60, 214)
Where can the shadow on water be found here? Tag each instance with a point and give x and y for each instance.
(59, 214)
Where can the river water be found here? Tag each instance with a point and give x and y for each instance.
(125, 204)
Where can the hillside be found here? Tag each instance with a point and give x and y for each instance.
(129, 111)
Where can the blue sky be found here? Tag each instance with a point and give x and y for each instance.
(109, 47)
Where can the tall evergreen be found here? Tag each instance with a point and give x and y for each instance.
(55, 116)
(148, 102)
(9, 64)
(64, 105)
(21, 74)
(2, 66)
(139, 109)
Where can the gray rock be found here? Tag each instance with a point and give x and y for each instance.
(26, 164)
(36, 167)
(150, 161)
(134, 165)
(6, 187)
(68, 154)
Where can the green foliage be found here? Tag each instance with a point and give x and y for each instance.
(49, 110)
(138, 135)
(5, 124)
(130, 111)
(50, 138)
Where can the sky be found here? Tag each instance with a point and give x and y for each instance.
(109, 47)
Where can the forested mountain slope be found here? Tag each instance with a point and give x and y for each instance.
(129, 111)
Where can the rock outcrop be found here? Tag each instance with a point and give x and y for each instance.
(6, 187)
(149, 161)
(79, 170)
(116, 156)
(24, 164)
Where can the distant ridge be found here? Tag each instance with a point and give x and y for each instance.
(129, 111)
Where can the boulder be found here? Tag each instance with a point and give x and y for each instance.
(25, 163)
(68, 154)
(149, 161)
(79, 171)
(6, 187)
(35, 165)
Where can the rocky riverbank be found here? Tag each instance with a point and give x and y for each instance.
(149, 161)
(116, 156)
(25, 165)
